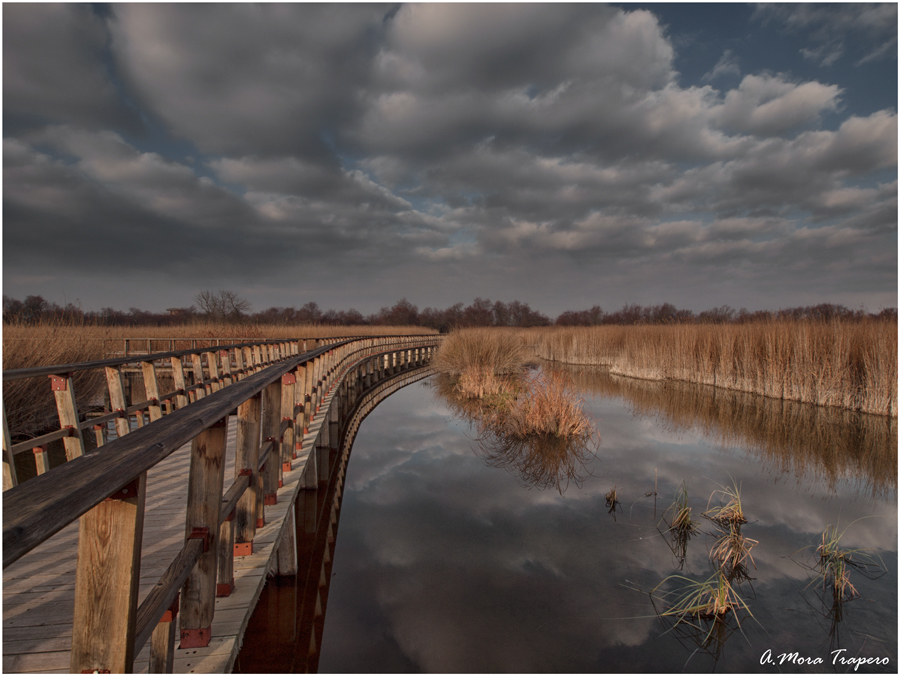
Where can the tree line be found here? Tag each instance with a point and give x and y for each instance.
(229, 307)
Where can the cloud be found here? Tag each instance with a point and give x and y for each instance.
(247, 79)
(872, 28)
(54, 67)
(726, 65)
(460, 144)
(769, 105)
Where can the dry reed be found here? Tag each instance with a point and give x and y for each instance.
(850, 365)
(486, 351)
(548, 406)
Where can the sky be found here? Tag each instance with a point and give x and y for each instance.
(354, 154)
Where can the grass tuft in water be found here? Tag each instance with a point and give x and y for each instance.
(708, 599)
(731, 553)
(680, 522)
(612, 499)
(731, 514)
(836, 563)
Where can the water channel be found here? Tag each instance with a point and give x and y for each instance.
(448, 559)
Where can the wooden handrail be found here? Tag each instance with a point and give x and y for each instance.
(37, 509)
(42, 506)
(57, 369)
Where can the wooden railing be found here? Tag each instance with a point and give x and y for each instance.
(275, 391)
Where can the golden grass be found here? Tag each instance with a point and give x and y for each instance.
(850, 365)
(496, 351)
(548, 406)
(29, 404)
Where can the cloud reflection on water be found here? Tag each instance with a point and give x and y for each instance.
(444, 564)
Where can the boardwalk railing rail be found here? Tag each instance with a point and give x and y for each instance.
(276, 400)
(223, 365)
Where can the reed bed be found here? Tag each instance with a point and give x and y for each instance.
(547, 406)
(485, 351)
(851, 365)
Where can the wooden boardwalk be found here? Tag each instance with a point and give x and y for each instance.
(39, 588)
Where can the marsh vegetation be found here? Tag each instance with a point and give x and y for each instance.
(845, 364)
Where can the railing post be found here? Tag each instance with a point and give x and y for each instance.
(41, 459)
(197, 376)
(213, 367)
(181, 400)
(117, 400)
(10, 478)
(106, 582)
(225, 572)
(64, 392)
(162, 642)
(204, 500)
(246, 461)
(238, 364)
(271, 431)
(151, 387)
(226, 367)
(288, 390)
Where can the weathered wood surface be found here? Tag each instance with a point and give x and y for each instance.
(39, 588)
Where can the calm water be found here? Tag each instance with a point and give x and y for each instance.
(445, 563)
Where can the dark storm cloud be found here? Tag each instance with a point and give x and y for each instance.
(54, 69)
(267, 79)
(458, 145)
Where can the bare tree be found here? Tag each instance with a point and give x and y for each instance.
(223, 306)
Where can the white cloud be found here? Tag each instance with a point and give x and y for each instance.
(769, 105)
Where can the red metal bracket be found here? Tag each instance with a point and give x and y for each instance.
(225, 589)
(243, 548)
(246, 472)
(288, 379)
(195, 638)
(289, 419)
(126, 492)
(37, 450)
(200, 534)
(169, 615)
(271, 499)
(286, 467)
(60, 384)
